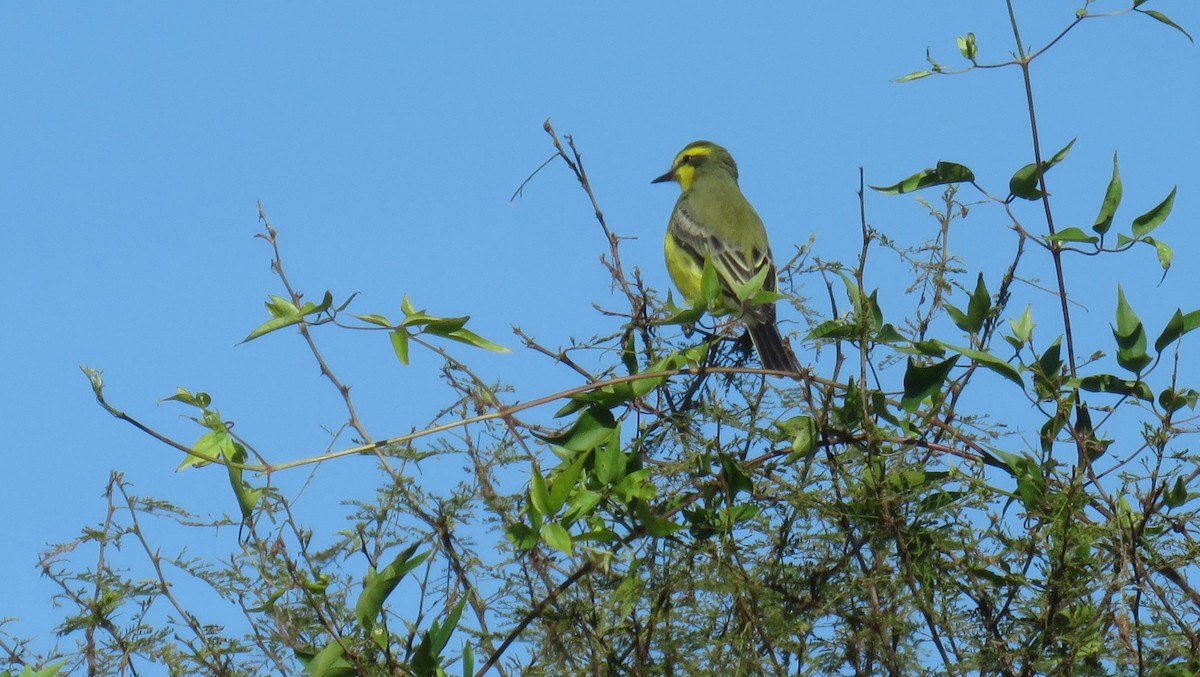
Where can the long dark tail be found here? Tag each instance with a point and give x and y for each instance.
(773, 350)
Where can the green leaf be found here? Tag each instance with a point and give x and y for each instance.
(1154, 218)
(915, 75)
(426, 660)
(310, 308)
(1177, 495)
(652, 523)
(754, 285)
(557, 537)
(377, 320)
(736, 479)
(1163, 250)
(328, 662)
(1172, 332)
(992, 363)
(967, 47)
(1172, 400)
(399, 339)
(1130, 336)
(978, 307)
(200, 400)
(1107, 383)
(804, 434)
(247, 497)
(834, 330)
(1163, 18)
(562, 484)
(471, 338)
(594, 427)
(468, 659)
(610, 461)
(1112, 199)
(581, 505)
(539, 496)
(921, 382)
(1025, 183)
(629, 356)
(944, 173)
(1023, 328)
(283, 314)
(379, 584)
(1072, 234)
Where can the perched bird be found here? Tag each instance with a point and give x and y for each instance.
(713, 222)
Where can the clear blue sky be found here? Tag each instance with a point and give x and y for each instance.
(384, 140)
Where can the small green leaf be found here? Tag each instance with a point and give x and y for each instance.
(804, 434)
(399, 337)
(377, 320)
(316, 309)
(593, 427)
(915, 75)
(471, 338)
(283, 313)
(990, 362)
(1172, 400)
(1154, 218)
(921, 382)
(754, 285)
(1112, 199)
(562, 484)
(978, 307)
(1130, 336)
(379, 584)
(199, 400)
(1164, 252)
(944, 173)
(557, 537)
(539, 496)
(967, 47)
(1025, 183)
(1107, 383)
(1023, 328)
(468, 659)
(610, 461)
(1177, 495)
(1163, 18)
(1072, 234)
(629, 355)
(329, 661)
(652, 523)
(1170, 333)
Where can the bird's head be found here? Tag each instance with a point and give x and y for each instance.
(696, 159)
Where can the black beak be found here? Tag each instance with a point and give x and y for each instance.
(669, 176)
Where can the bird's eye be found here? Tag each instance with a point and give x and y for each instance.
(693, 160)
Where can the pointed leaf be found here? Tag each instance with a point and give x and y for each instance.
(1072, 234)
(1154, 218)
(377, 320)
(399, 337)
(915, 75)
(1112, 199)
(379, 584)
(944, 173)
(1163, 18)
(923, 381)
(557, 537)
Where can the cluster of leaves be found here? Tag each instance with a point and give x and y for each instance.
(682, 513)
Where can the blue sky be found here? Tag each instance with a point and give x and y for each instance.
(384, 141)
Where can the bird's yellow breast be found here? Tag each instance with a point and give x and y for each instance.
(685, 271)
